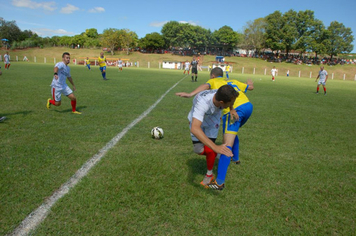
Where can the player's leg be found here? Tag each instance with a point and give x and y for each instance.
(56, 98)
(324, 88)
(317, 88)
(73, 100)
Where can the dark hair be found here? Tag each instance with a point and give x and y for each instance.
(217, 71)
(226, 93)
(65, 53)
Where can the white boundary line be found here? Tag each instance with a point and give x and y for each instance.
(38, 215)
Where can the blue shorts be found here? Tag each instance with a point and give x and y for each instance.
(244, 111)
(102, 69)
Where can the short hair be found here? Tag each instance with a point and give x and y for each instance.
(226, 93)
(65, 53)
(217, 71)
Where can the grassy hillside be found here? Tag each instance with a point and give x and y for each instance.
(248, 65)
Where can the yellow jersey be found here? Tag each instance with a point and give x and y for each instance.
(87, 62)
(102, 61)
(237, 85)
(227, 68)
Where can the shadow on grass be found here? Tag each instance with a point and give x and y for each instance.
(197, 166)
(79, 108)
(24, 113)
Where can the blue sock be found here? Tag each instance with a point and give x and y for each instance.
(104, 75)
(235, 149)
(224, 163)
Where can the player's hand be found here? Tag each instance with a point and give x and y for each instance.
(183, 95)
(74, 88)
(234, 116)
(222, 149)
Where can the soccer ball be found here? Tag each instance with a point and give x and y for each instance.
(157, 133)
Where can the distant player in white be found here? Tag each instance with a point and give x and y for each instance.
(186, 67)
(119, 64)
(323, 77)
(273, 72)
(204, 122)
(59, 85)
(7, 60)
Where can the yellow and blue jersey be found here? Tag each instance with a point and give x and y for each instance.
(102, 61)
(87, 62)
(237, 85)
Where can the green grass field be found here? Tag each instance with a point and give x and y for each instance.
(297, 151)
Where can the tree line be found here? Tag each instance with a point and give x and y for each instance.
(280, 32)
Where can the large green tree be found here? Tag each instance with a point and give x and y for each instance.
(226, 37)
(110, 39)
(254, 35)
(152, 41)
(9, 30)
(339, 39)
(305, 23)
(317, 38)
(273, 34)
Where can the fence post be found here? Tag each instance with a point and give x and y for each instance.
(45, 60)
(254, 70)
(344, 76)
(265, 71)
(332, 76)
(243, 70)
(310, 74)
(355, 78)
(148, 64)
(17, 58)
(34, 59)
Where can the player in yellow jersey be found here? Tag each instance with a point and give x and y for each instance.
(227, 70)
(87, 63)
(102, 65)
(231, 121)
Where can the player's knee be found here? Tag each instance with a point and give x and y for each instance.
(198, 148)
(58, 103)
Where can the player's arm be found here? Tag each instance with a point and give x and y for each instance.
(317, 77)
(55, 72)
(198, 132)
(249, 82)
(193, 93)
(326, 78)
(71, 81)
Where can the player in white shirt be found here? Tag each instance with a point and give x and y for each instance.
(7, 60)
(59, 85)
(274, 72)
(119, 64)
(323, 77)
(186, 67)
(204, 122)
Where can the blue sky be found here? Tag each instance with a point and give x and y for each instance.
(54, 17)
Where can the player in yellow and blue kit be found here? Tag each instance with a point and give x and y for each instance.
(227, 70)
(231, 125)
(102, 65)
(87, 63)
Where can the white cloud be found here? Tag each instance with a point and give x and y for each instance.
(50, 32)
(97, 10)
(188, 22)
(69, 9)
(49, 6)
(158, 24)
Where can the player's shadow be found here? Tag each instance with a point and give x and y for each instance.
(197, 167)
(79, 108)
(23, 113)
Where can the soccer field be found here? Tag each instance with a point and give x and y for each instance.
(297, 151)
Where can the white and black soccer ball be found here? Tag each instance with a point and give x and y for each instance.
(157, 133)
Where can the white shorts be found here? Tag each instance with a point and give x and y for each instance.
(187, 68)
(120, 66)
(321, 82)
(57, 93)
(210, 131)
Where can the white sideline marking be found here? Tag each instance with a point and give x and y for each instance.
(38, 215)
